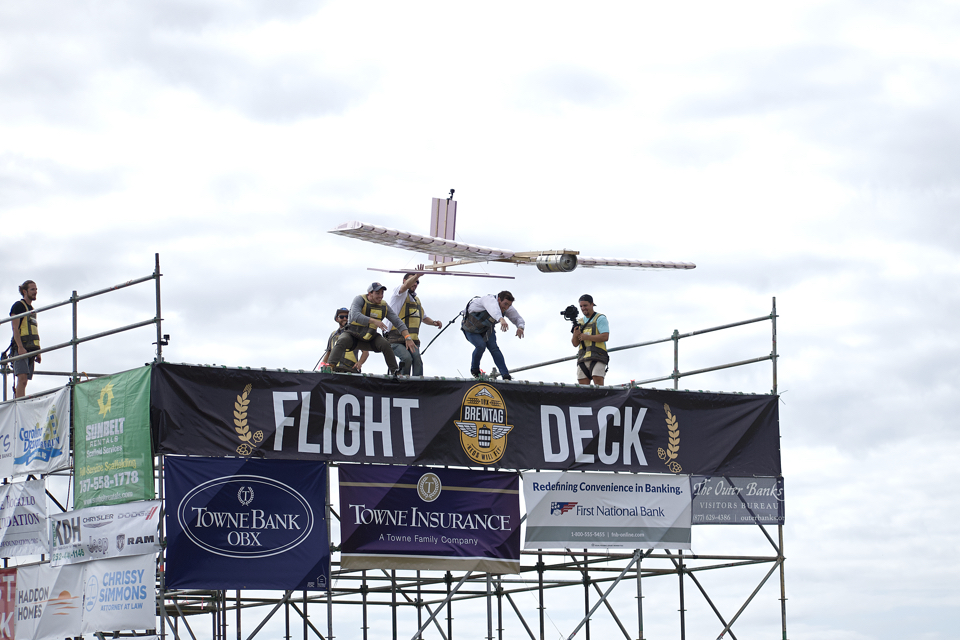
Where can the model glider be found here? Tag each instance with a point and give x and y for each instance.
(455, 253)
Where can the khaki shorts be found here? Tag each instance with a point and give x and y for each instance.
(599, 370)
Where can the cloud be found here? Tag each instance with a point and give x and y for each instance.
(25, 180)
(71, 66)
(569, 85)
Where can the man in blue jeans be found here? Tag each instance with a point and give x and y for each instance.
(479, 320)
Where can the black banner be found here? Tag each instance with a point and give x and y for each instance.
(350, 418)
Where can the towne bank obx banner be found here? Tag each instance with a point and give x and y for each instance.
(246, 524)
(312, 416)
(114, 462)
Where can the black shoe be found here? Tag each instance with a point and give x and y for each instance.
(395, 374)
(476, 374)
(507, 378)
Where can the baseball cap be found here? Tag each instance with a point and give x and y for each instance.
(339, 311)
(586, 298)
(376, 286)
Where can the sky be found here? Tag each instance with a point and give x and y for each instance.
(797, 151)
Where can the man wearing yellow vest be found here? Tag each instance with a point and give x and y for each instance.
(25, 337)
(367, 313)
(590, 337)
(350, 360)
(405, 303)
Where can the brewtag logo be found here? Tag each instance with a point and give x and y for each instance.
(483, 425)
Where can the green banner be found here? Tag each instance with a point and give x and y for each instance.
(112, 457)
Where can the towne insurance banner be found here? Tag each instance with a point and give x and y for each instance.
(599, 510)
(224, 412)
(724, 500)
(23, 519)
(246, 524)
(114, 463)
(35, 434)
(420, 518)
(112, 531)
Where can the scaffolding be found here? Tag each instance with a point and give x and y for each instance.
(587, 590)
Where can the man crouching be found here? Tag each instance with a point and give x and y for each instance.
(367, 313)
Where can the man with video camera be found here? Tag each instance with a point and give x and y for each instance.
(590, 336)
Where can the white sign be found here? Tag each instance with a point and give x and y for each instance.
(23, 519)
(49, 602)
(113, 531)
(35, 434)
(600, 510)
(120, 594)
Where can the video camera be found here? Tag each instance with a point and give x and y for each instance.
(571, 313)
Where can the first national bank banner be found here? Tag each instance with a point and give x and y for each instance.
(347, 418)
(606, 511)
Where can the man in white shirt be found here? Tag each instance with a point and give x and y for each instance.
(405, 303)
(479, 319)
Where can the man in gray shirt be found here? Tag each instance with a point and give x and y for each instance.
(367, 313)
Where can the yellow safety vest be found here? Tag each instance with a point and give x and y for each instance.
(28, 330)
(412, 315)
(375, 311)
(592, 350)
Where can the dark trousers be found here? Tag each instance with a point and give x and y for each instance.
(348, 341)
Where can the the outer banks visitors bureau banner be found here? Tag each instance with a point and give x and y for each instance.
(105, 532)
(267, 414)
(723, 500)
(246, 524)
(114, 463)
(422, 518)
(35, 434)
(593, 510)
(23, 519)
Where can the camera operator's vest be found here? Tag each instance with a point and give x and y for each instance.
(477, 321)
(29, 336)
(349, 357)
(412, 315)
(592, 350)
(365, 331)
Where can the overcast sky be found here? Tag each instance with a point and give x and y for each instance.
(806, 151)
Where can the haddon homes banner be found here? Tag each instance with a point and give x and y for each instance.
(423, 518)
(265, 414)
(246, 524)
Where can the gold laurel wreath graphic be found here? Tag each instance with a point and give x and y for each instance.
(673, 448)
(240, 420)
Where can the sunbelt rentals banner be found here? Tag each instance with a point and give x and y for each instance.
(606, 511)
(95, 533)
(114, 462)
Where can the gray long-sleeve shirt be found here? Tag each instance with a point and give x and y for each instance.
(356, 315)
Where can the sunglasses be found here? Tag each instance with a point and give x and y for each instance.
(341, 317)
